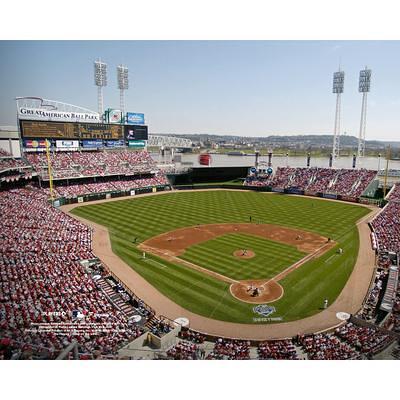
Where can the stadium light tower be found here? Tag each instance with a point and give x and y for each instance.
(100, 80)
(123, 84)
(363, 87)
(338, 85)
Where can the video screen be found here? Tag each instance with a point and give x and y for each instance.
(136, 132)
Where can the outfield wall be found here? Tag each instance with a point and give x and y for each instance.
(138, 191)
(109, 195)
(211, 174)
(279, 190)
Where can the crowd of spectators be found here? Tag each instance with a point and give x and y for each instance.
(326, 346)
(60, 162)
(348, 341)
(228, 349)
(366, 339)
(301, 177)
(364, 179)
(386, 226)
(344, 182)
(185, 351)
(92, 163)
(69, 191)
(283, 177)
(395, 193)
(277, 350)
(4, 153)
(11, 163)
(128, 183)
(192, 336)
(259, 180)
(42, 281)
(107, 184)
(321, 181)
(13, 169)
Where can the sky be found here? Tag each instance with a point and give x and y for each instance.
(244, 88)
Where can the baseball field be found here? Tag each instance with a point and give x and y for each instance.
(219, 253)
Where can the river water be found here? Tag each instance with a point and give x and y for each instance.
(223, 160)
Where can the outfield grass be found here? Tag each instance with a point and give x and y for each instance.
(217, 255)
(305, 288)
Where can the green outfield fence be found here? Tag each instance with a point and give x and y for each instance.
(363, 200)
(61, 201)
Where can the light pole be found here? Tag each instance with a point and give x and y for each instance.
(123, 84)
(338, 85)
(364, 86)
(100, 80)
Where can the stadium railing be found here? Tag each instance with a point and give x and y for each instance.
(129, 291)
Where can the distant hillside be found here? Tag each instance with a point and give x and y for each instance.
(286, 140)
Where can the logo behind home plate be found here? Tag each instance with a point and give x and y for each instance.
(264, 310)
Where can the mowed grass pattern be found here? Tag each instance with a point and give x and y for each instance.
(217, 255)
(305, 288)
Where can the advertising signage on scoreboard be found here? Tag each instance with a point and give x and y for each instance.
(69, 130)
(35, 144)
(136, 132)
(114, 143)
(114, 116)
(135, 118)
(67, 144)
(92, 144)
(137, 143)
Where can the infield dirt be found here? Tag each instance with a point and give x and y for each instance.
(171, 245)
(177, 241)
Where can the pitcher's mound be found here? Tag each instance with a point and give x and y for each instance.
(244, 253)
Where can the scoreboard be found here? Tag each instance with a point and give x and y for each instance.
(70, 130)
(101, 131)
(136, 132)
(40, 129)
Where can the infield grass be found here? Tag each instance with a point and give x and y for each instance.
(217, 255)
(305, 288)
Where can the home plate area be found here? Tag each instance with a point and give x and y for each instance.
(260, 291)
